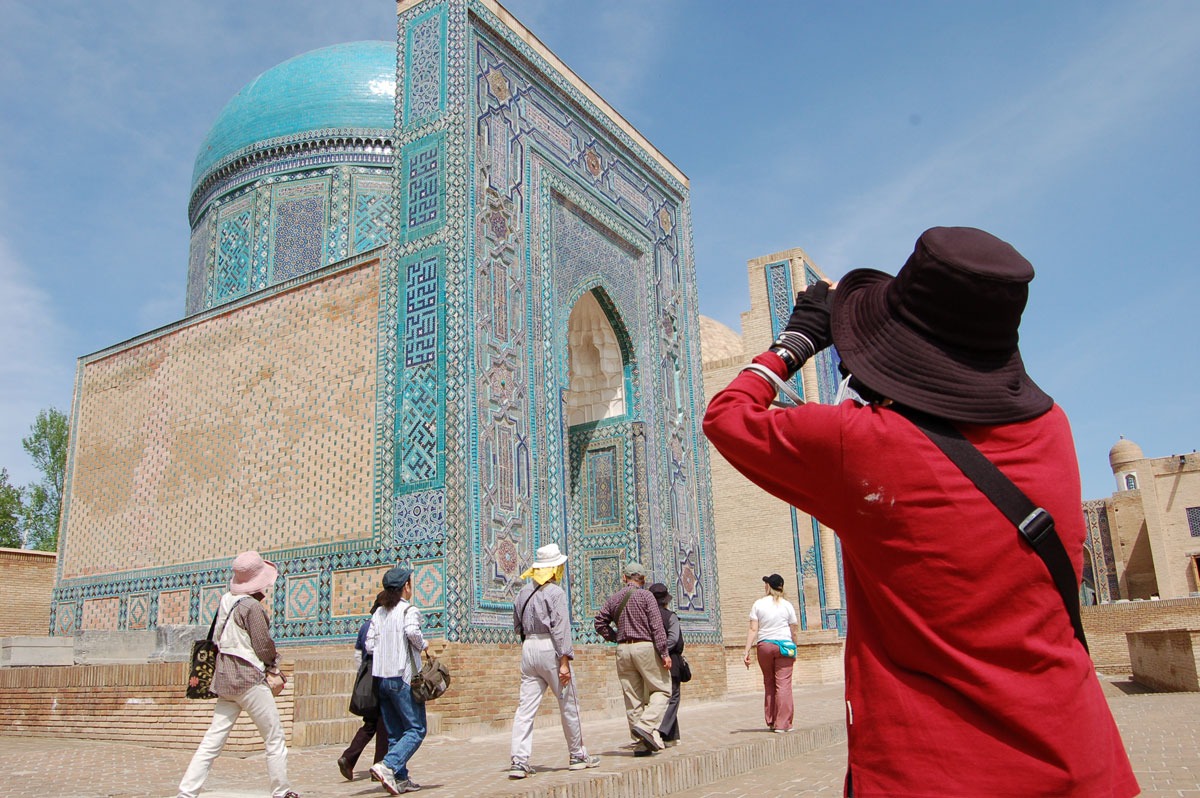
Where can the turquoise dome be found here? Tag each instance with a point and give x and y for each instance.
(345, 86)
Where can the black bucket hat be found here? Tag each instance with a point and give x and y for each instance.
(941, 336)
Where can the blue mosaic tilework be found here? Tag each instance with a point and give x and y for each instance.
(302, 599)
(602, 486)
(299, 228)
(782, 298)
(233, 251)
(198, 276)
(424, 199)
(604, 570)
(1099, 537)
(425, 56)
(372, 213)
(827, 360)
(420, 311)
(419, 516)
(137, 611)
(429, 580)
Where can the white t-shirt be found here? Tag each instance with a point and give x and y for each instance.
(774, 618)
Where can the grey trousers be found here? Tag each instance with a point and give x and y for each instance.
(539, 670)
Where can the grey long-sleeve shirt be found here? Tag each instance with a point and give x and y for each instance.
(545, 611)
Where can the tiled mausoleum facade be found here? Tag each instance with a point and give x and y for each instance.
(455, 323)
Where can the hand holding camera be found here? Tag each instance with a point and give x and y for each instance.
(808, 328)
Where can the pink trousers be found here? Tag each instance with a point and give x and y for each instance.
(777, 685)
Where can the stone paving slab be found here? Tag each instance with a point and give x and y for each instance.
(1161, 732)
(719, 739)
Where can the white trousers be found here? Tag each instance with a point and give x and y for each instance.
(539, 670)
(260, 705)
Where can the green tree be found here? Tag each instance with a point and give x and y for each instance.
(47, 445)
(10, 513)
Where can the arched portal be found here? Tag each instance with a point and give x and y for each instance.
(596, 369)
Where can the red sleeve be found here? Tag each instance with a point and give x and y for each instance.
(794, 454)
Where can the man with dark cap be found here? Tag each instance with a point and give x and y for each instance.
(965, 675)
(643, 664)
(395, 642)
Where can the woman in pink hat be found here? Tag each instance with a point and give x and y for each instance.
(246, 676)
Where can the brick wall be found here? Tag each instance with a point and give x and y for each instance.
(26, 584)
(252, 429)
(486, 681)
(1106, 625)
(126, 703)
(1165, 660)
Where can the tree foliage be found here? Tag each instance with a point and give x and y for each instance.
(47, 445)
(10, 513)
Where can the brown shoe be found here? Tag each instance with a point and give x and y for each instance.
(345, 768)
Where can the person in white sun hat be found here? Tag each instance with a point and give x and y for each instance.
(542, 619)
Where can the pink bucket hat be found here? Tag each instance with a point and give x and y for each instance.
(251, 574)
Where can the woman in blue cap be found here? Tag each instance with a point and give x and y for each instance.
(395, 642)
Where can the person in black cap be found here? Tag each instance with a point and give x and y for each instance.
(964, 675)
(668, 727)
(772, 638)
(395, 642)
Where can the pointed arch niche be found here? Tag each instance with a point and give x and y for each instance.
(596, 368)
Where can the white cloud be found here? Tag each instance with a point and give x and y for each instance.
(35, 371)
(1145, 56)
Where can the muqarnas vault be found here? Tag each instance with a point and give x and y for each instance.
(441, 309)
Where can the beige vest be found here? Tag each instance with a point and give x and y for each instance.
(234, 640)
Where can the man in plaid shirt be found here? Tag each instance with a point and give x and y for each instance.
(643, 663)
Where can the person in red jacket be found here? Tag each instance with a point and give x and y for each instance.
(963, 673)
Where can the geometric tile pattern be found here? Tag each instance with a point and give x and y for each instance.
(137, 615)
(1193, 519)
(372, 213)
(420, 312)
(602, 486)
(65, 617)
(303, 594)
(428, 581)
(828, 378)
(603, 579)
(198, 265)
(210, 600)
(424, 198)
(354, 591)
(425, 53)
(233, 251)
(781, 298)
(419, 516)
(299, 224)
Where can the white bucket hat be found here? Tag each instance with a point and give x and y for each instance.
(549, 556)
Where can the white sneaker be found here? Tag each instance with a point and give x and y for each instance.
(519, 770)
(386, 777)
(583, 762)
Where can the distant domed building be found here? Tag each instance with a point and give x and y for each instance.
(440, 310)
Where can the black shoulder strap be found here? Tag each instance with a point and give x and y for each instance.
(1035, 524)
(521, 612)
(621, 606)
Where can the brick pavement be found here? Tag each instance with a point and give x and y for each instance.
(1161, 732)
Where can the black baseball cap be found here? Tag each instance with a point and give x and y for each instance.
(775, 581)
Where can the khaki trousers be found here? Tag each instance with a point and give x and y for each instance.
(645, 683)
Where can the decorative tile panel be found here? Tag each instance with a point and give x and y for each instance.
(425, 56)
(420, 516)
(299, 213)
(233, 250)
(137, 614)
(429, 580)
(303, 597)
(372, 212)
(423, 197)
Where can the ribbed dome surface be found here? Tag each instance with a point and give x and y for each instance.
(717, 341)
(349, 85)
(1124, 451)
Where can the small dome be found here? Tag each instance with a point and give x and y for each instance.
(717, 341)
(343, 86)
(1123, 452)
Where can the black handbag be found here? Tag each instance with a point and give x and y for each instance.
(1035, 524)
(685, 670)
(204, 664)
(364, 698)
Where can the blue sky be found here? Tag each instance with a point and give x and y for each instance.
(1069, 129)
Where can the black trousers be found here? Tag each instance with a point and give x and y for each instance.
(371, 727)
(669, 727)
